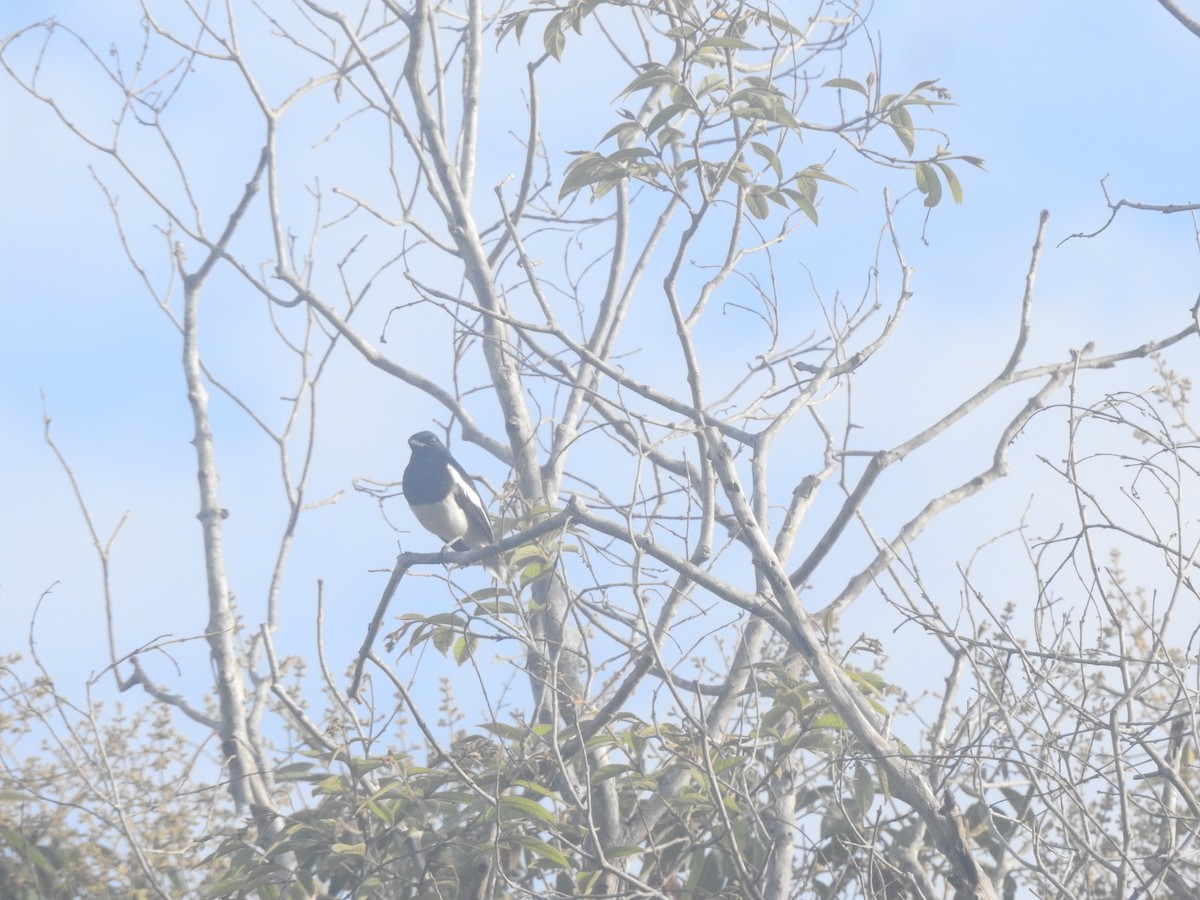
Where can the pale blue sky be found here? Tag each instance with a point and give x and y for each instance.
(1053, 95)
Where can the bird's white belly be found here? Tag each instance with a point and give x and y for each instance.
(446, 520)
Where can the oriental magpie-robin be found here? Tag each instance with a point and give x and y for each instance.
(443, 498)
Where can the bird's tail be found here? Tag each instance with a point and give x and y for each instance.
(498, 569)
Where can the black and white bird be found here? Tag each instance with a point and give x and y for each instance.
(443, 498)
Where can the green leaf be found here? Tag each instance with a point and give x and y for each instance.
(546, 852)
(871, 682)
(508, 732)
(576, 13)
(443, 640)
(830, 720)
(739, 174)
(756, 203)
(721, 765)
(864, 788)
(803, 204)
(782, 24)
(27, 850)
(710, 83)
(623, 852)
(464, 647)
(385, 814)
(709, 57)
(713, 874)
(669, 135)
(532, 572)
(586, 881)
(652, 77)
(763, 103)
(297, 771)
(494, 608)
(511, 807)
(774, 716)
(770, 156)
(629, 154)
(588, 169)
(835, 823)
(331, 785)
(450, 619)
(728, 42)
(515, 22)
(553, 38)
(454, 798)
(817, 170)
(682, 95)
(902, 124)
(536, 788)
(601, 740)
(623, 131)
(929, 184)
(847, 83)
(664, 115)
(922, 173)
(527, 552)
(610, 771)
(952, 182)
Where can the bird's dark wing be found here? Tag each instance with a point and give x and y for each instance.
(463, 490)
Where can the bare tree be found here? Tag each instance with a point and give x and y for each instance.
(624, 335)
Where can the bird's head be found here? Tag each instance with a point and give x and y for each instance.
(425, 440)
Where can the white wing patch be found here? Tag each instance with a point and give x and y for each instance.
(477, 528)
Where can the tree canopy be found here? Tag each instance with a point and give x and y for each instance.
(582, 243)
